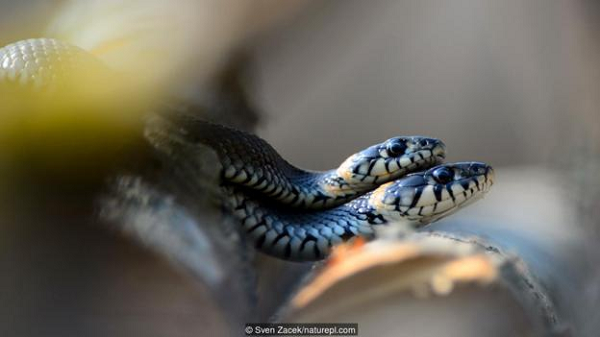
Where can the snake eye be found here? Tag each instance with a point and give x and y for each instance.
(396, 149)
(443, 175)
(424, 142)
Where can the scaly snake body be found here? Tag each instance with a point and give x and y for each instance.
(288, 212)
(249, 161)
(415, 200)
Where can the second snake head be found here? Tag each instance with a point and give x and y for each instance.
(392, 159)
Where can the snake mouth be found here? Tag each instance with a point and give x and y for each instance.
(383, 170)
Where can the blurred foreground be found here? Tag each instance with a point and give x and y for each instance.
(512, 83)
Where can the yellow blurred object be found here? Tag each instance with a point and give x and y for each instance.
(73, 102)
(45, 64)
(63, 112)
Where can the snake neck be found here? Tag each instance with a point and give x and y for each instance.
(250, 161)
(301, 236)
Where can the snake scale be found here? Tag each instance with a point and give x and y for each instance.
(285, 211)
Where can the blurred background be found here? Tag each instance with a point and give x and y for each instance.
(512, 83)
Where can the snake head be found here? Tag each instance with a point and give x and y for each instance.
(430, 195)
(391, 159)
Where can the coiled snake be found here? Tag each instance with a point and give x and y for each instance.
(288, 212)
